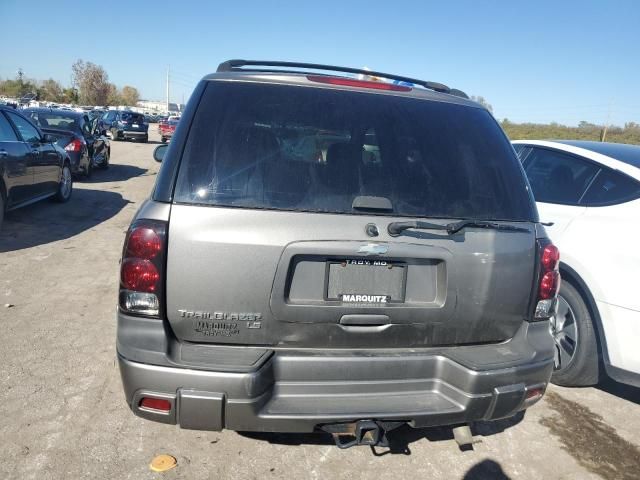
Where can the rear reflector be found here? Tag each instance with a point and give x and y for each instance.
(350, 82)
(160, 404)
(533, 395)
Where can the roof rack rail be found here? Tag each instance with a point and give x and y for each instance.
(232, 65)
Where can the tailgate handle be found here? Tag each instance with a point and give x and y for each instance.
(364, 320)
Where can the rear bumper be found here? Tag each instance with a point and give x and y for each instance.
(298, 391)
(75, 159)
(133, 134)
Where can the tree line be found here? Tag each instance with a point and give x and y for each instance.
(630, 133)
(90, 86)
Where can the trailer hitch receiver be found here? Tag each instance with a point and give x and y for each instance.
(362, 432)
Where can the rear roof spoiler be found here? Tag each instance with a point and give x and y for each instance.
(236, 65)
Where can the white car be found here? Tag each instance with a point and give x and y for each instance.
(590, 191)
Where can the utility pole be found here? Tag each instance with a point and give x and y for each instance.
(606, 125)
(168, 89)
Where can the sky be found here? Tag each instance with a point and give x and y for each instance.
(543, 61)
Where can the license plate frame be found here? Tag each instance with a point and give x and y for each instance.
(334, 289)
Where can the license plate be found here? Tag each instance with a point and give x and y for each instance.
(366, 281)
(135, 125)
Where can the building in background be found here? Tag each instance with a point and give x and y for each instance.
(156, 107)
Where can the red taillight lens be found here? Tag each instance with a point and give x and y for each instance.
(139, 275)
(142, 267)
(549, 280)
(351, 82)
(549, 285)
(550, 257)
(143, 243)
(74, 146)
(155, 404)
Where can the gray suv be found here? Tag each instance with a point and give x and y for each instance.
(323, 252)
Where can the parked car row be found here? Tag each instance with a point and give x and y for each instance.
(32, 165)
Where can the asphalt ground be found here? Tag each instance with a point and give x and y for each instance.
(63, 414)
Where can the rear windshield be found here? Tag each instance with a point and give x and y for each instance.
(57, 120)
(314, 149)
(132, 117)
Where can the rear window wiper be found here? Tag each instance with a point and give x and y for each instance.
(396, 228)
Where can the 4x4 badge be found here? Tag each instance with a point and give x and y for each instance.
(373, 249)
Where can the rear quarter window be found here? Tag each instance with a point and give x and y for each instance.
(611, 187)
(312, 149)
(556, 177)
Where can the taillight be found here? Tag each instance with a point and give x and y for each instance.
(549, 285)
(549, 279)
(351, 82)
(74, 146)
(142, 268)
(550, 257)
(139, 275)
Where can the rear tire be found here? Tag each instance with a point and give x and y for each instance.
(114, 136)
(577, 358)
(145, 139)
(1, 209)
(65, 188)
(105, 161)
(89, 170)
(163, 140)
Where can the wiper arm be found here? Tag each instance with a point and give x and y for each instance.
(396, 228)
(457, 226)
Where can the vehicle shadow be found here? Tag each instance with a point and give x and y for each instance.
(45, 222)
(400, 438)
(626, 392)
(486, 470)
(115, 173)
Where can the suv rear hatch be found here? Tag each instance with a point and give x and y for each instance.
(133, 121)
(279, 224)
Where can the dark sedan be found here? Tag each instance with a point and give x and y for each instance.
(32, 167)
(86, 143)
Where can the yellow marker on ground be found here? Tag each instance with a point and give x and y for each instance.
(162, 463)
